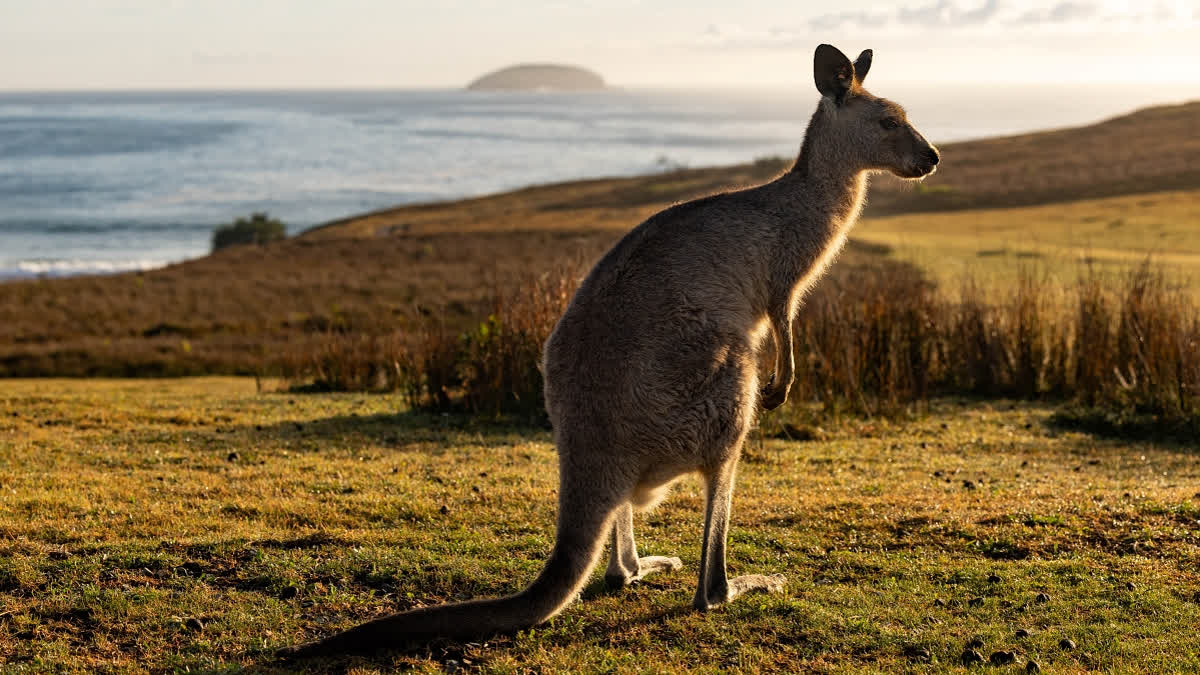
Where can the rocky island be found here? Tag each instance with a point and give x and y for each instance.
(539, 76)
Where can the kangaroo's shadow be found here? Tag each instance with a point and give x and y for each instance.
(407, 428)
(451, 653)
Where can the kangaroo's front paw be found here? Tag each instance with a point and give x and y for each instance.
(772, 397)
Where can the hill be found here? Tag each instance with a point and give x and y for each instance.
(228, 311)
(535, 76)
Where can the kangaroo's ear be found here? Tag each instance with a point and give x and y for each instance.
(833, 72)
(862, 65)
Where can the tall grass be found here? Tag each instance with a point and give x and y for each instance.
(871, 339)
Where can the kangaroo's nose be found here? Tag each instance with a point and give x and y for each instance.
(932, 155)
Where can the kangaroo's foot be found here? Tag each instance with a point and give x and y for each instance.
(751, 583)
(651, 564)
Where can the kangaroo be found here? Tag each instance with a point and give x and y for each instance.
(652, 372)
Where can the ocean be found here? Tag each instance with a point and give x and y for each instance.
(105, 182)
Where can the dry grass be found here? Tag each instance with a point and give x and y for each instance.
(872, 339)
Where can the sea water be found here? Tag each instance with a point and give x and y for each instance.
(104, 182)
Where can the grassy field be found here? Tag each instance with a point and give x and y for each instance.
(993, 245)
(199, 524)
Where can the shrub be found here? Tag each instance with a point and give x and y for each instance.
(259, 228)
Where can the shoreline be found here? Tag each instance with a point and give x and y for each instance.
(1146, 151)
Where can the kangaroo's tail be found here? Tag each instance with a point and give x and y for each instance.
(581, 534)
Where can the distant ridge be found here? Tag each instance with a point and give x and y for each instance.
(534, 76)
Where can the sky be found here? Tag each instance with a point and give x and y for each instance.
(284, 44)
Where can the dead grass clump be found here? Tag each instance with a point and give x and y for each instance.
(1156, 346)
(867, 338)
(338, 361)
(501, 368)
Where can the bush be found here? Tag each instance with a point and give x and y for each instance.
(259, 228)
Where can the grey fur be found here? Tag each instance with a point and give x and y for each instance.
(652, 372)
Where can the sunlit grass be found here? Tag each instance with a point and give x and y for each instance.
(995, 246)
(151, 525)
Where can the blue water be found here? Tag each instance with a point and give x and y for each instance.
(102, 182)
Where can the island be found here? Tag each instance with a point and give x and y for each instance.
(539, 76)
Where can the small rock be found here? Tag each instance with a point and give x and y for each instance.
(288, 592)
(1033, 667)
(975, 602)
(1042, 598)
(994, 579)
(192, 623)
(1002, 658)
(1066, 643)
(975, 643)
(233, 456)
(971, 656)
(1022, 633)
(918, 654)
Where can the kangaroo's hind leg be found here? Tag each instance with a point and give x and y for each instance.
(715, 588)
(624, 565)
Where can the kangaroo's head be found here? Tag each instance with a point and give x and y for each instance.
(872, 132)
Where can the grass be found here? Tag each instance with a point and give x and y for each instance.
(994, 246)
(198, 524)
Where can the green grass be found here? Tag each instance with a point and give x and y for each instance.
(198, 524)
(993, 245)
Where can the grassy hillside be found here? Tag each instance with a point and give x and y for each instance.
(196, 524)
(994, 244)
(235, 310)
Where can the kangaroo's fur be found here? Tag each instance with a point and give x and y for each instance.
(652, 372)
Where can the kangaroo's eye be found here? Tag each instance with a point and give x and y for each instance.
(889, 123)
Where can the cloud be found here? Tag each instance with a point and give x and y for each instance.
(1063, 12)
(948, 13)
(1012, 13)
(862, 19)
(978, 17)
